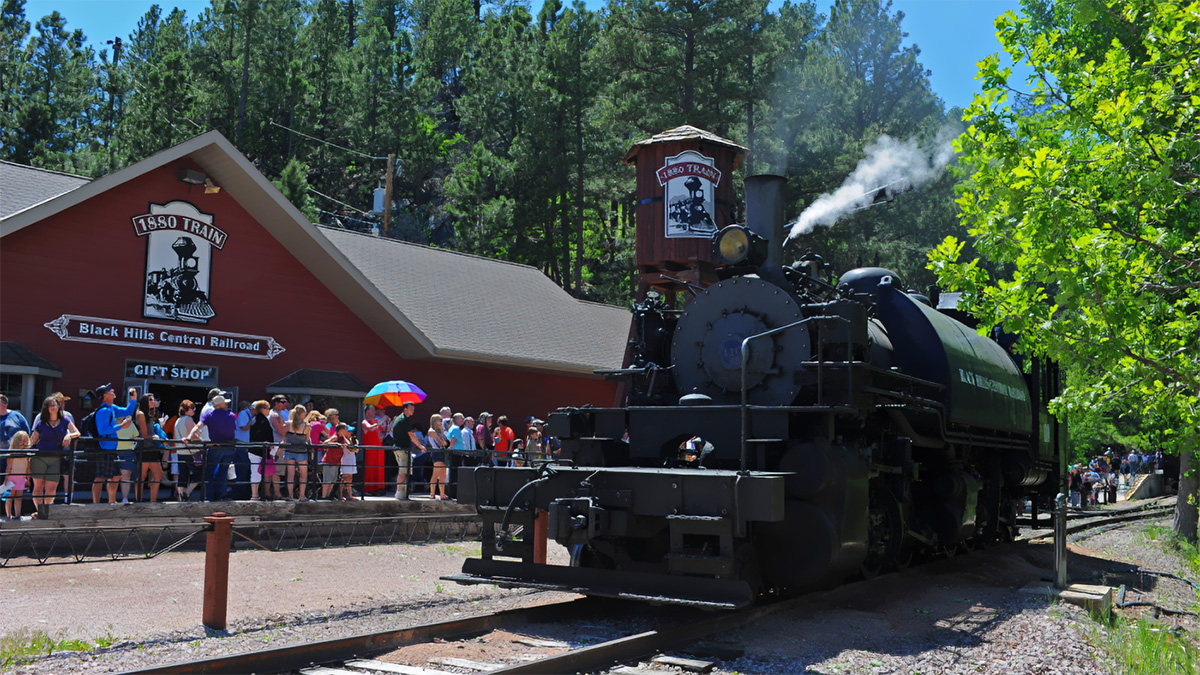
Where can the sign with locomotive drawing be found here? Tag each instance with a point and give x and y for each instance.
(689, 180)
(179, 247)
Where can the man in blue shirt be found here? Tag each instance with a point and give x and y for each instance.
(11, 421)
(222, 428)
(106, 428)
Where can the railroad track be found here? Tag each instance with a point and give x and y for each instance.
(675, 628)
(350, 656)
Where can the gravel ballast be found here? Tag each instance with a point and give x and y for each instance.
(965, 615)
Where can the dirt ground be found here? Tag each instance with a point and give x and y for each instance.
(964, 615)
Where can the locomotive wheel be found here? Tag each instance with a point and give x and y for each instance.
(885, 534)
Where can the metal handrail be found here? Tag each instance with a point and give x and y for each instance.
(745, 409)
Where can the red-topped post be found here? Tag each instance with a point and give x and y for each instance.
(216, 570)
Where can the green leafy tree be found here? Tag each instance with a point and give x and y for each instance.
(1084, 199)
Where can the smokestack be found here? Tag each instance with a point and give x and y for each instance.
(764, 217)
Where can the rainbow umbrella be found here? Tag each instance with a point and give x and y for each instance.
(394, 393)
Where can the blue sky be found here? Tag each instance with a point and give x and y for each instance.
(952, 34)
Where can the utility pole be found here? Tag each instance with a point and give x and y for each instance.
(387, 191)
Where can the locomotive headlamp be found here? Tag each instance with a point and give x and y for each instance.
(735, 245)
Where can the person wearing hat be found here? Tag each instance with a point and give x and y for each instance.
(221, 424)
(107, 429)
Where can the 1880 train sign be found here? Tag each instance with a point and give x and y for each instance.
(689, 182)
(179, 244)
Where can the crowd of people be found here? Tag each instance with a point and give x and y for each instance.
(136, 450)
(1104, 475)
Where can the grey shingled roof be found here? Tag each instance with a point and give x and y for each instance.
(17, 354)
(23, 186)
(483, 309)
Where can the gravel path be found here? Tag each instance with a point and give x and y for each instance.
(150, 609)
(943, 617)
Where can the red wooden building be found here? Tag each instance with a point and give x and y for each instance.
(190, 270)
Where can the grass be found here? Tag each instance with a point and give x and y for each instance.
(24, 646)
(1144, 647)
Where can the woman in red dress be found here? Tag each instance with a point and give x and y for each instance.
(373, 430)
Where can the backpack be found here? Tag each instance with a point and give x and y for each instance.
(87, 427)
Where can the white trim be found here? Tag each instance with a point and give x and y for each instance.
(29, 370)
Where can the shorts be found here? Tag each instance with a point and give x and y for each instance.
(437, 457)
(18, 482)
(44, 468)
(349, 463)
(255, 468)
(126, 461)
(403, 460)
(292, 456)
(106, 465)
(329, 473)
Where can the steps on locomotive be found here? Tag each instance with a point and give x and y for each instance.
(692, 539)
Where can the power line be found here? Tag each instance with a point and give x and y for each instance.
(319, 140)
(314, 190)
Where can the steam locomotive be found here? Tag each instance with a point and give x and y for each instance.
(783, 432)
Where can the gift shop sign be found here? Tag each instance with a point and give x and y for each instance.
(171, 373)
(76, 328)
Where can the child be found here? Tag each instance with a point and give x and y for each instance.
(18, 472)
(331, 462)
(349, 461)
(270, 474)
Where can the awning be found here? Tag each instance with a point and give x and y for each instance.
(313, 382)
(17, 359)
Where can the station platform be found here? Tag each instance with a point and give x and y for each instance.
(92, 532)
(86, 514)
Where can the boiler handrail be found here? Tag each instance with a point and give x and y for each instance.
(746, 358)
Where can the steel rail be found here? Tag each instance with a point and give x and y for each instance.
(328, 651)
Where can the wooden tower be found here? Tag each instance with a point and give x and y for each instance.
(684, 195)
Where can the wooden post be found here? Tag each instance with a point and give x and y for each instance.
(216, 570)
(387, 191)
(541, 530)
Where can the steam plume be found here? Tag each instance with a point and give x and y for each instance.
(891, 165)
